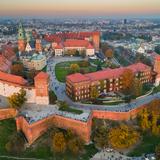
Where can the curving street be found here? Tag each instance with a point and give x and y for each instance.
(59, 89)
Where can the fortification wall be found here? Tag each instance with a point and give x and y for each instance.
(7, 113)
(83, 129)
(33, 131)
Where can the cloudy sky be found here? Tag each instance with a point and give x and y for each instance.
(80, 8)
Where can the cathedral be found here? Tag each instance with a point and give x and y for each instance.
(30, 50)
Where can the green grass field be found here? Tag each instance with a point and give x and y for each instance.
(7, 129)
(148, 144)
(63, 69)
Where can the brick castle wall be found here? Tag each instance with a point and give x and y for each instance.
(7, 113)
(83, 129)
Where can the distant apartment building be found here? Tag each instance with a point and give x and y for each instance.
(78, 86)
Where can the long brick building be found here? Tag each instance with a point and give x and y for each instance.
(78, 86)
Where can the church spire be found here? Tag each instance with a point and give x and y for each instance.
(21, 32)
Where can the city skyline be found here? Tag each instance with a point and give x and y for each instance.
(48, 8)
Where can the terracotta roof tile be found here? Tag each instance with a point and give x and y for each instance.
(12, 78)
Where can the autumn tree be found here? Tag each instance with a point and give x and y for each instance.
(127, 81)
(16, 100)
(123, 136)
(17, 69)
(109, 53)
(143, 119)
(94, 92)
(75, 145)
(74, 68)
(59, 142)
(102, 85)
(137, 88)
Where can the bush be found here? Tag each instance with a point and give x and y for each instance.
(16, 145)
(52, 97)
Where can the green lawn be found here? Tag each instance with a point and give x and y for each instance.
(156, 89)
(7, 128)
(148, 144)
(72, 110)
(63, 69)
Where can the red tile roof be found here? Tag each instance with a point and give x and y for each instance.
(77, 77)
(4, 63)
(90, 46)
(58, 37)
(76, 43)
(59, 46)
(42, 75)
(12, 78)
(107, 73)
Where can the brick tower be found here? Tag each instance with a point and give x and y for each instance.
(21, 38)
(41, 88)
(96, 40)
(157, 69)
(38, 45)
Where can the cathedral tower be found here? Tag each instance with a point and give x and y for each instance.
(21, 38)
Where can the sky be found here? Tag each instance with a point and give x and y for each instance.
(108, 8)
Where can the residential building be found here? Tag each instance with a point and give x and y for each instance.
(78, 86)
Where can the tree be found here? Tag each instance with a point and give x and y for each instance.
(100, 137)
(157, 151)
(15, 145)
(75, 145)
(83, 53)
(94, 92)
(32, 73)
(99, 67)
(17, 69)
(109, 53)
(157, 49)
(102, 84)
(59, 142)
(127, 81)
(52, 97)
(137, 88)
(74, 68)
(16, 100)
(123, 136)
(143, 119)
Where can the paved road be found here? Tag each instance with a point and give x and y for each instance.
(59, 89)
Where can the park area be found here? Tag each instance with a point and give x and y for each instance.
(64, 68)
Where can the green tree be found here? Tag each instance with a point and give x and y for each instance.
(16, 100)
(59, 142)
(74, 68)
(157, 151)
(100, 137)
